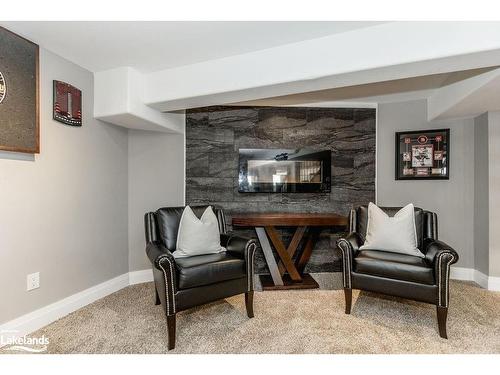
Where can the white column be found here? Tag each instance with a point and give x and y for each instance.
(494, 193)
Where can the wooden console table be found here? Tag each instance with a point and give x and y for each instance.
(287, 274)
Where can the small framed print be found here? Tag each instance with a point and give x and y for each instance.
(67, 104)
(423, 155)
(408, 171)
(422, 171)
(436, 171)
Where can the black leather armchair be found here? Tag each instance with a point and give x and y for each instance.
(187, 282)
(421, 279)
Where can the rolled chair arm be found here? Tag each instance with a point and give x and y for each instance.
(441, 256)
(162, 259)
(157, 254)
(433, 248)
(243, 248)
(348, 245)
(354, 240)
(236, 245)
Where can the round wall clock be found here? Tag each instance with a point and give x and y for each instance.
(3, 88)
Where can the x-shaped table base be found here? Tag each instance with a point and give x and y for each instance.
(295, 277)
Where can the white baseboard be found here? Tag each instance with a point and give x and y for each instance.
(139, 277)
(494, 283)
(469, 274)
(461, 273)
(40, 318)
(481, 279)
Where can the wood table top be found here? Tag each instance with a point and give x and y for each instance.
(289, 219)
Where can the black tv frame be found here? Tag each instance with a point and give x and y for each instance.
(246, 154)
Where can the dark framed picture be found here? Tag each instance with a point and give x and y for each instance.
(67, 104)
(423, 155)
(19, 94)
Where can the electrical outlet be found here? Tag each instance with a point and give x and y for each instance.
(33, 281)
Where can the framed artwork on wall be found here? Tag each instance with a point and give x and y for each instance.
(67, 104)
(19, 94)
(423, 155)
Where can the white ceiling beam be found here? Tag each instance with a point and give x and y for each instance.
(385, 52)
(470, 97)
(118, 100)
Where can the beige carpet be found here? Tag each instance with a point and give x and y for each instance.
(310, 321)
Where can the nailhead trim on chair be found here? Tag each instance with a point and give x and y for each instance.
(444, 284)
(250, 266)
(167, 285)
(346, 255)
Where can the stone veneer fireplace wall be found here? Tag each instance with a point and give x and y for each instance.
(214, 135)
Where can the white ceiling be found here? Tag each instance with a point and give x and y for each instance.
(152, 46)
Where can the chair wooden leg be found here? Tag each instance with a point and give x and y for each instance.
(348, 300)
(157, 297)
(171, 331)
(442, 314)
(249, 303)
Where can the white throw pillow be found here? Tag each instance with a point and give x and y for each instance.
(198, 236)
(396, 234)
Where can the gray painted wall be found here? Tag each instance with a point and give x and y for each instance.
(214, 135)
(453, 199)
(481, 194)
(156, 179)
(63, 212)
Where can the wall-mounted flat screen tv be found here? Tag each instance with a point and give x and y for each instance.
(284, 171)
